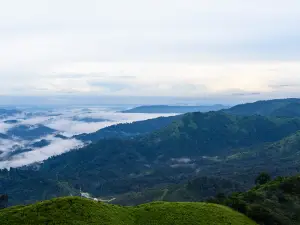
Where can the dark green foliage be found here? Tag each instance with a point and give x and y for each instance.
(262, 178)
(290, 110)
(279, 107)
(26, 186)
(82, 211)
(276, 202)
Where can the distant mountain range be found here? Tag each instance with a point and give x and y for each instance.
(174, 109)
(233, 144)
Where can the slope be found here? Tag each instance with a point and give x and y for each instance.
(81, 211)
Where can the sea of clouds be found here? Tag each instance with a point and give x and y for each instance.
(65, 121)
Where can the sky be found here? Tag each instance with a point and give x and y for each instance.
(218, 50)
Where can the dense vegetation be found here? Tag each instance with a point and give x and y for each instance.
(276, 202)
(277, 107)
(82, 211)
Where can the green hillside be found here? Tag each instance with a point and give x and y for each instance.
(73, 210)
(277, 107)
(276, 202)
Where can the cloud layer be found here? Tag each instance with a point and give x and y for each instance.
(20, 151)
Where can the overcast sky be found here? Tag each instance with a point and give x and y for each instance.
(182, 48)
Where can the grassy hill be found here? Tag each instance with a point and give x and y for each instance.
(74, 210)
(276, 202)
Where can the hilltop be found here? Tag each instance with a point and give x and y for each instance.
(289, 107)
(73, 210)
(173, 109)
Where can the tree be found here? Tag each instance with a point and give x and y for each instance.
(262, 178)
(3, 201)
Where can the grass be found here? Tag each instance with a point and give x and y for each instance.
(74, 210)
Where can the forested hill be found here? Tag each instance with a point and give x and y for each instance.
(171, 154)
(278, 107)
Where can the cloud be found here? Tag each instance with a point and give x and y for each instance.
(245, 93)
(57, 147)
(4, 127)
(111, 86)
(8, 145)
(284, 86)
(71, 127)
(160, 48)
